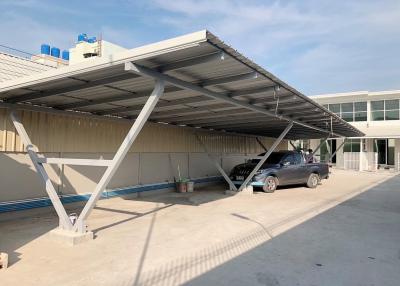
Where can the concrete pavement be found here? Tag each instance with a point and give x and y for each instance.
(342, 233)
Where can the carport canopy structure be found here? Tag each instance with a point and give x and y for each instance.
(194, 80)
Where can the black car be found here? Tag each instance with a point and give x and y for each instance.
(281, 169)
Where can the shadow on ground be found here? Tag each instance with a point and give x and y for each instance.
(353, 243)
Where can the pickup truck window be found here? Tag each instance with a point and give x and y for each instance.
(274, 158)
(293, 159)
(298, 159)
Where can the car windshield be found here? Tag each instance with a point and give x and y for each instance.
(274, 158)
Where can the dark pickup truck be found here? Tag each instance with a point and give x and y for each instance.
(281, 169)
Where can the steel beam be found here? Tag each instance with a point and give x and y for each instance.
(228, 79)
(293, 146)
(218, 56)
(137, 69)
(261, 144)
(57, 91)
(120, 155)
(265, 157)
(113, 98)
(217, 165)
(106, 81)
(319, 146)
(337, 149)
(64, 221)
(138, 107)
(76, 162)
(116, 98)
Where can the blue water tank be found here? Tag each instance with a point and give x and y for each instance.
(92, 40)
(55, 52)
(45, 49)
(65, 55)
(82, 37)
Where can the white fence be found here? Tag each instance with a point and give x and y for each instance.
(369, 161)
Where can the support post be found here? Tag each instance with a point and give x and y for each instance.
(329, 149)
(119, 156)
(261, 144)
(291, 144)
(64, 220)
(217, 165)
(319, 146)
(265, 157)
(337, 149)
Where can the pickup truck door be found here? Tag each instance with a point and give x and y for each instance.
(303, 169)
(291, 171)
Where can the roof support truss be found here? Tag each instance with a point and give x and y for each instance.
(137, 69)
(112, 165)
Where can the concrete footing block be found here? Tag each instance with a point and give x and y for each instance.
(246, 191)
(69, 237)
(3, 260)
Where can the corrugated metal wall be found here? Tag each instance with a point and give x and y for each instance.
(63, 133)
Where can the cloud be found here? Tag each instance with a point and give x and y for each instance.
(318, 46)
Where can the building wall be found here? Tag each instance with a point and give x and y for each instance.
(154, 157)
(386, 129)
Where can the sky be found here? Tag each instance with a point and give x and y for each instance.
(316, 46)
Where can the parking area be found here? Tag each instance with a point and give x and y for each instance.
(344, 231)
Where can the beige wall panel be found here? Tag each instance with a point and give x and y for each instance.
(181, 160)
(82, 179)
(127, 174)
(19, 179)
(155, 168)
(200, 165)
(230, 161)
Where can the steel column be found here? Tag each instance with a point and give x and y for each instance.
(329, 148)
(265, 157)
(319, 146)
(120, 155)
(337, 149)
(291, 143)
(217, 165)
(261, 144)
(65, 223)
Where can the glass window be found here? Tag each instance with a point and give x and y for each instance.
(347, 116)
(378, 115)
(360, 116)
(360, 106)
(335, 108)
(391, 104)
(289, 159)
(351, 145)
(392, 115)
(347, 107)
(377, 105)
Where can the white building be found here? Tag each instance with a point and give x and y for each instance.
(374, 113)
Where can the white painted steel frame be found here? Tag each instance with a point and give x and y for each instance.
(141, 70)
(217, 165)
(112, 165)
(65, 223)
(76, 162)
(120, 155)
(261, 144)
(337, 149)
(265, 157)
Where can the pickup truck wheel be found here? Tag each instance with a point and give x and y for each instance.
(270, 184)
(313, 181)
